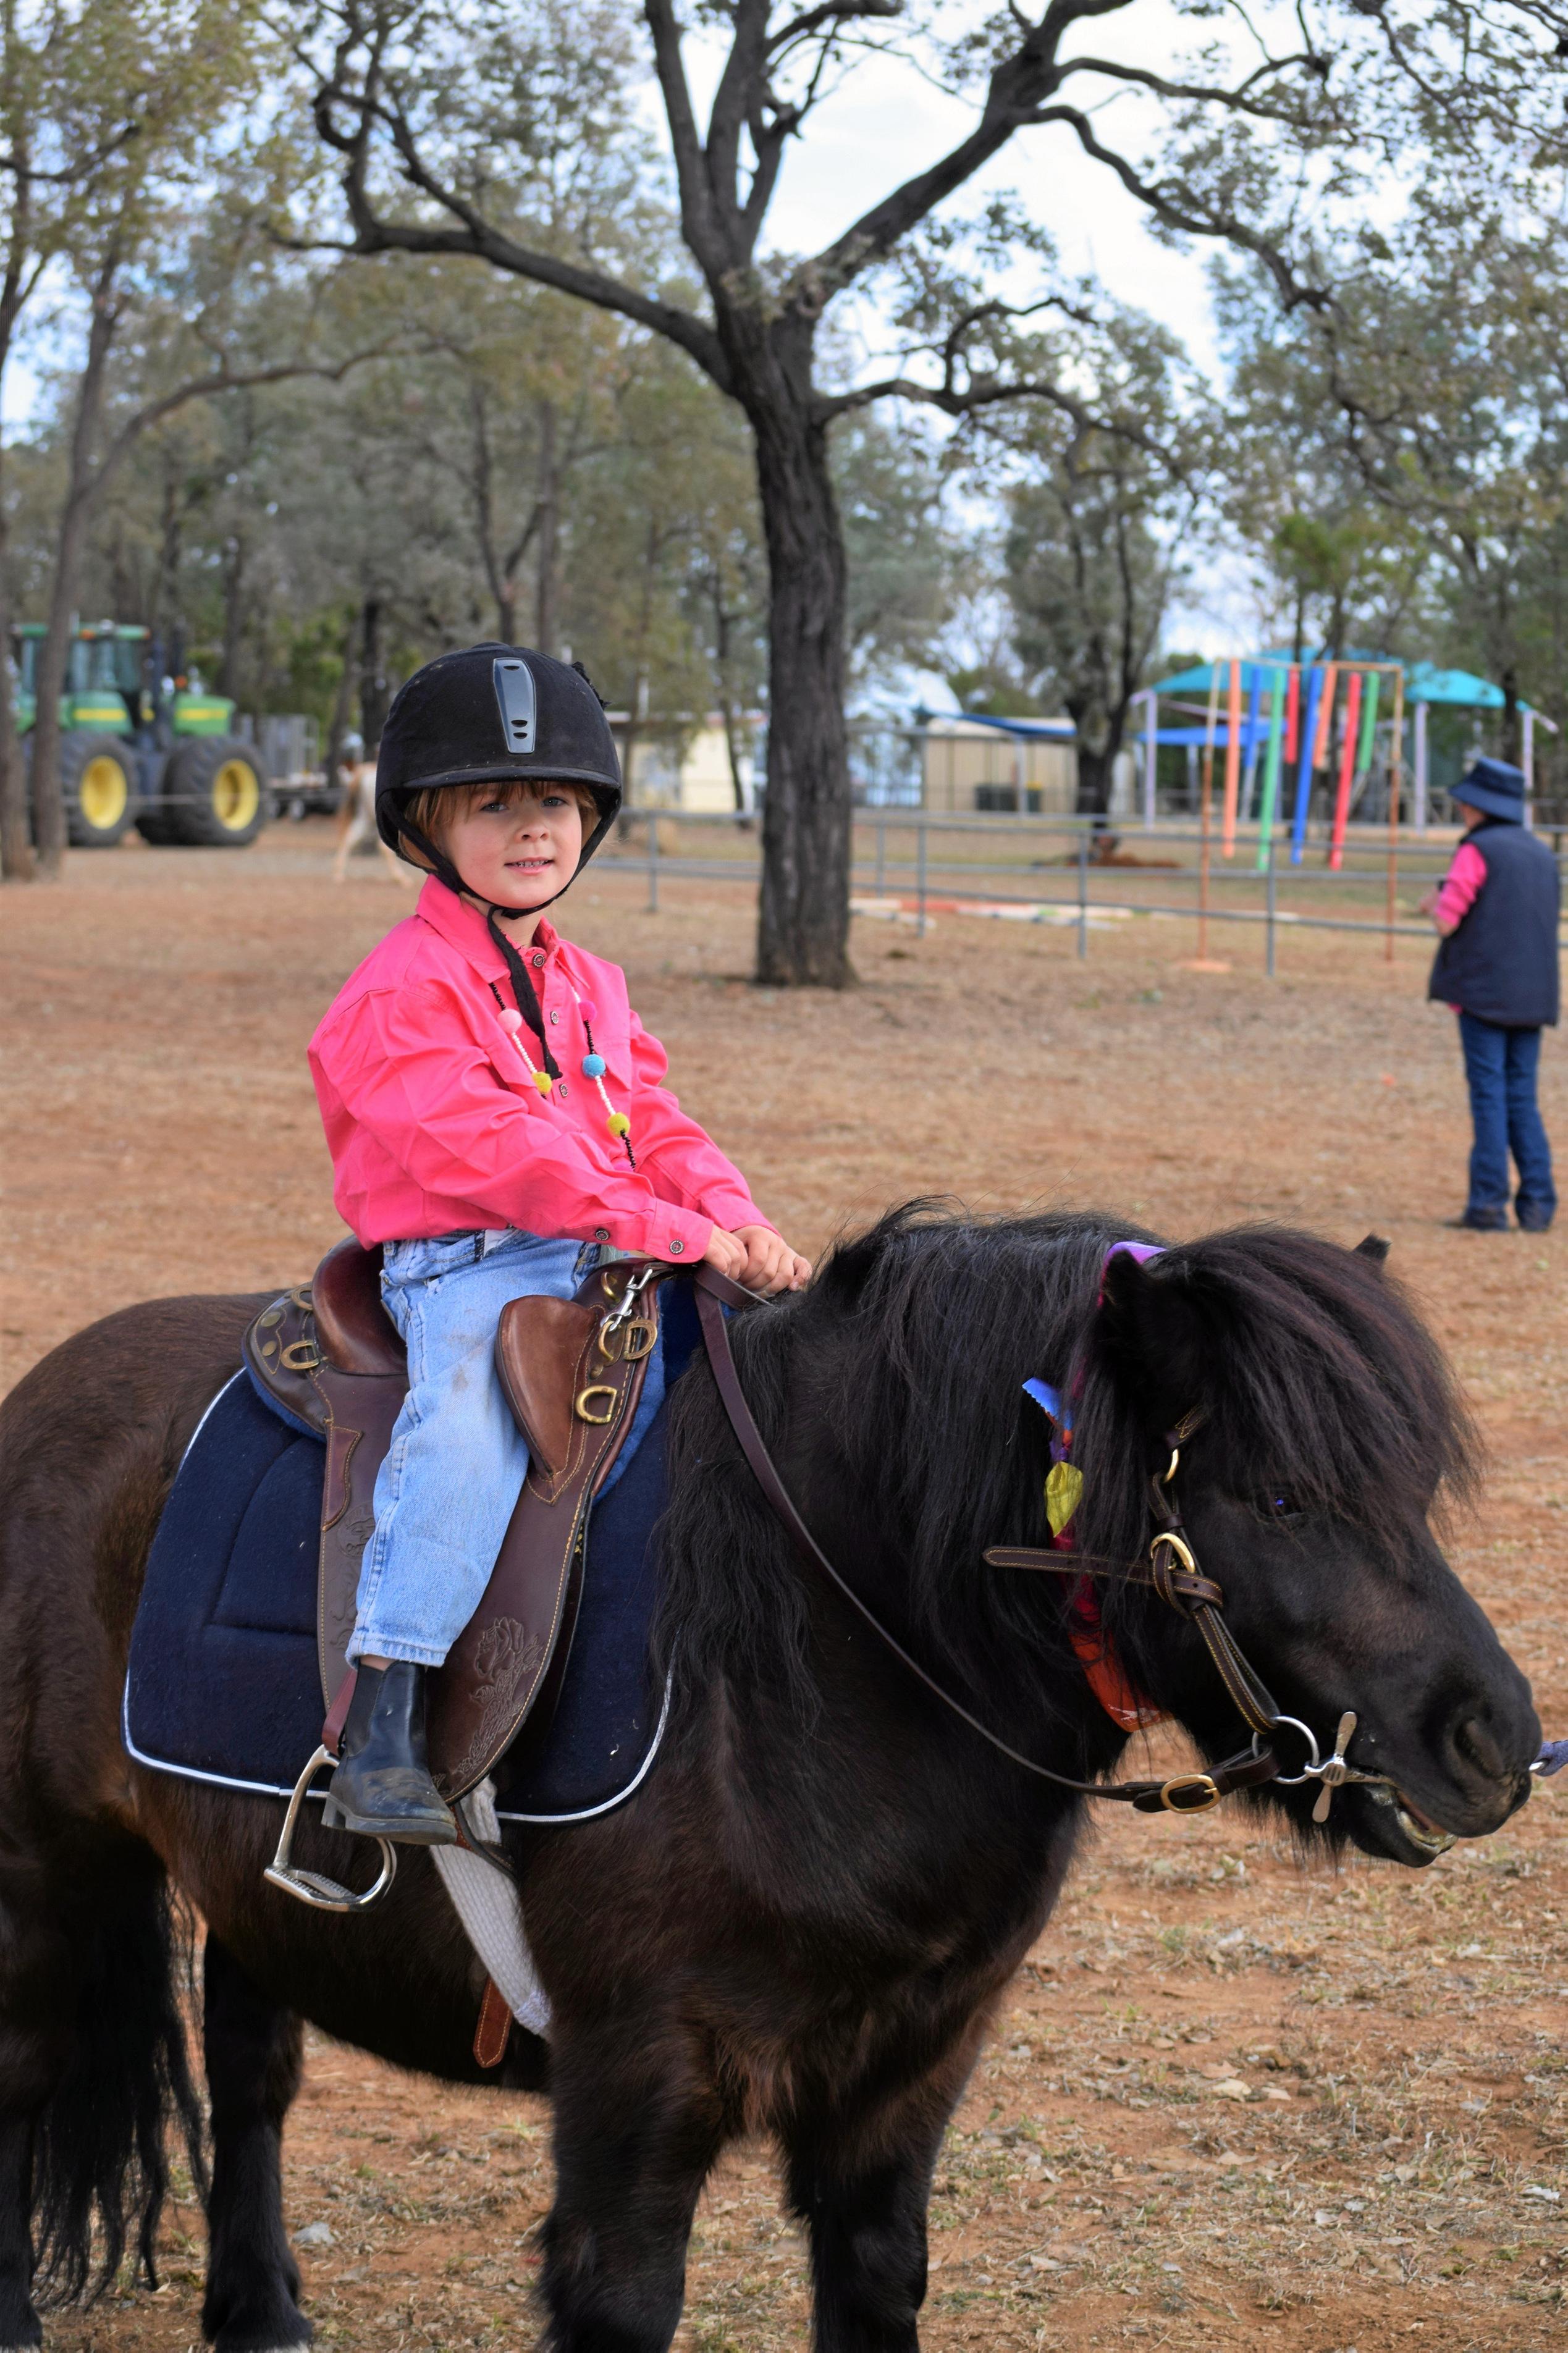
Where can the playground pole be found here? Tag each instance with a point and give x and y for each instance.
(1269, 804)
(1395, 781)
(1347, 771)
(1233, 762)
(1203, 815)
(1303, 766)
(1321, 750)
(1150, 754)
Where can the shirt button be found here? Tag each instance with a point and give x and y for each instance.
(676, 1246)
(601, 1233)
(561, 1089)
(538, 959)
(554, 1014)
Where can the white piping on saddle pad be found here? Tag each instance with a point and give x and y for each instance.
(486, 1900)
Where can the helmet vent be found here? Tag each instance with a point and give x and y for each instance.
(515, 693)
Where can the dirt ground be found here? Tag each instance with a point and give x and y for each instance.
(1233, 2103)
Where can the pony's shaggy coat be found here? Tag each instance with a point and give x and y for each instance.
(803, 1921)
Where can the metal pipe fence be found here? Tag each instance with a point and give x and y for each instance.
(908, 862)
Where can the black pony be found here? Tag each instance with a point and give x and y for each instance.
(803, 1921)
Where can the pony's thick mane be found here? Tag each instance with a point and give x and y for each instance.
(909, 1354)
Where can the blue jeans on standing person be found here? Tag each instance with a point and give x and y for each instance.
(457, 1461)
(1500, 1066)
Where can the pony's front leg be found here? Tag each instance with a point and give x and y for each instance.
(252, 2052)
(863, 2194)
(636, 2133)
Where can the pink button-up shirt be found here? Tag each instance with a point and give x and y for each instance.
(435, 1124)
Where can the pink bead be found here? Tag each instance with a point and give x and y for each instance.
(510, 1020)
(588, 1008)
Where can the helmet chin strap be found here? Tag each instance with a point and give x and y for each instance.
(523, 988)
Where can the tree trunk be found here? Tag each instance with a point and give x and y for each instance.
(547, 602)
(54, 653)
(1512, 728)
(803, 932)
(338, 726)
(375, 695)
(233, 615)
(16, 847)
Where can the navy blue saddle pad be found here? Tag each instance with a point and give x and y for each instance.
(223, 1683)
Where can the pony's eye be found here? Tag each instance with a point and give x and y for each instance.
(1279, 1503)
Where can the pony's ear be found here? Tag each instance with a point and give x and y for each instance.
(1150, 1339)
(1373, 1246)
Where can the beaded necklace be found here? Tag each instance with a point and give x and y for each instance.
(593, 1065)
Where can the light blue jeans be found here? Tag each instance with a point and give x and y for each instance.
(457, 1461)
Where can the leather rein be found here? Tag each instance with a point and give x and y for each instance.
(1172, 1572)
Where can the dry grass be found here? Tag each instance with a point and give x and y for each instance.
(1233, 2103)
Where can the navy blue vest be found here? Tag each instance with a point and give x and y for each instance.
(1502, 963)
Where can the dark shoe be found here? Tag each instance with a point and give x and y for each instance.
(1479, 1221)
(1528, 1224)
(382, 1787)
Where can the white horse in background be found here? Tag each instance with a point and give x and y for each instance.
(357, 822)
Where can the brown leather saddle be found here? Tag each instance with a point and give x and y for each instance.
(573, 1373)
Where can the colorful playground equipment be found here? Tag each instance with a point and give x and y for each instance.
(1333, 710)
(1282, 718)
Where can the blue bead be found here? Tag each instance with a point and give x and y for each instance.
(593, 1066)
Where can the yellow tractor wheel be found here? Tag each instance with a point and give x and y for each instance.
(214, 794)
(97, 779)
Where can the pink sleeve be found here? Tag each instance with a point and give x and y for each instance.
(689, 1164)
(1461, 885)
(407, 1068)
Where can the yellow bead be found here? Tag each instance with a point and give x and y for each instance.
(618, 1124)
(543, 1082)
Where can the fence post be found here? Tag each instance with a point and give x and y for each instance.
(881, 855)
(1083, 888)
(652, 863)
(1272, 900)
(920, 877)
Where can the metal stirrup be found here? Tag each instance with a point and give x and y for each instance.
(313, 1887)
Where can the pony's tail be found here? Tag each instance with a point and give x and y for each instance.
(101, 2167)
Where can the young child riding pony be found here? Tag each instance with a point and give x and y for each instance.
(498, 1123)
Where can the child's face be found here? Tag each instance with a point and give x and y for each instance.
(517, 846)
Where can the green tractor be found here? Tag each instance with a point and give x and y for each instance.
(134, 752)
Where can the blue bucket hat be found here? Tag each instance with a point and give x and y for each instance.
(1495, 787)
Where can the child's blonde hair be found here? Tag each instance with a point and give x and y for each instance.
(428, 810)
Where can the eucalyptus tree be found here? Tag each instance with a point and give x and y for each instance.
(1428, 415)
(428, 109)
(1100, 511)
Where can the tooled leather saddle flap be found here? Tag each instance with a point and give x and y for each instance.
(573, 1372)
(330, 1354)
(510, 1660)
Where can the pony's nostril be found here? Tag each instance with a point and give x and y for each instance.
(1475, 1746)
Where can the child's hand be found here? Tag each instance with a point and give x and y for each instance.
(728, 1254)
(770, 1265)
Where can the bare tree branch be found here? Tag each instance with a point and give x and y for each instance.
(474, 234)
(1176, 214)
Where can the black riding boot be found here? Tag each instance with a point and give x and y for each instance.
(382, 1784)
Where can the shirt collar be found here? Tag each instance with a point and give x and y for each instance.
(466, 929)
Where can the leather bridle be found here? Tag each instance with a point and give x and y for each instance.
(1171, 1571)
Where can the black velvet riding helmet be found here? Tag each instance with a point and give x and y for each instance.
(504, 714)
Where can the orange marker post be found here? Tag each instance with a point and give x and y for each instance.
(1233, 762)
(1322, 740)
(1347, 772)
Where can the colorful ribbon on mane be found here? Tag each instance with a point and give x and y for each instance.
(1127, 1707)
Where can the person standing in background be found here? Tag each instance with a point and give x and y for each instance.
(1496, 911)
